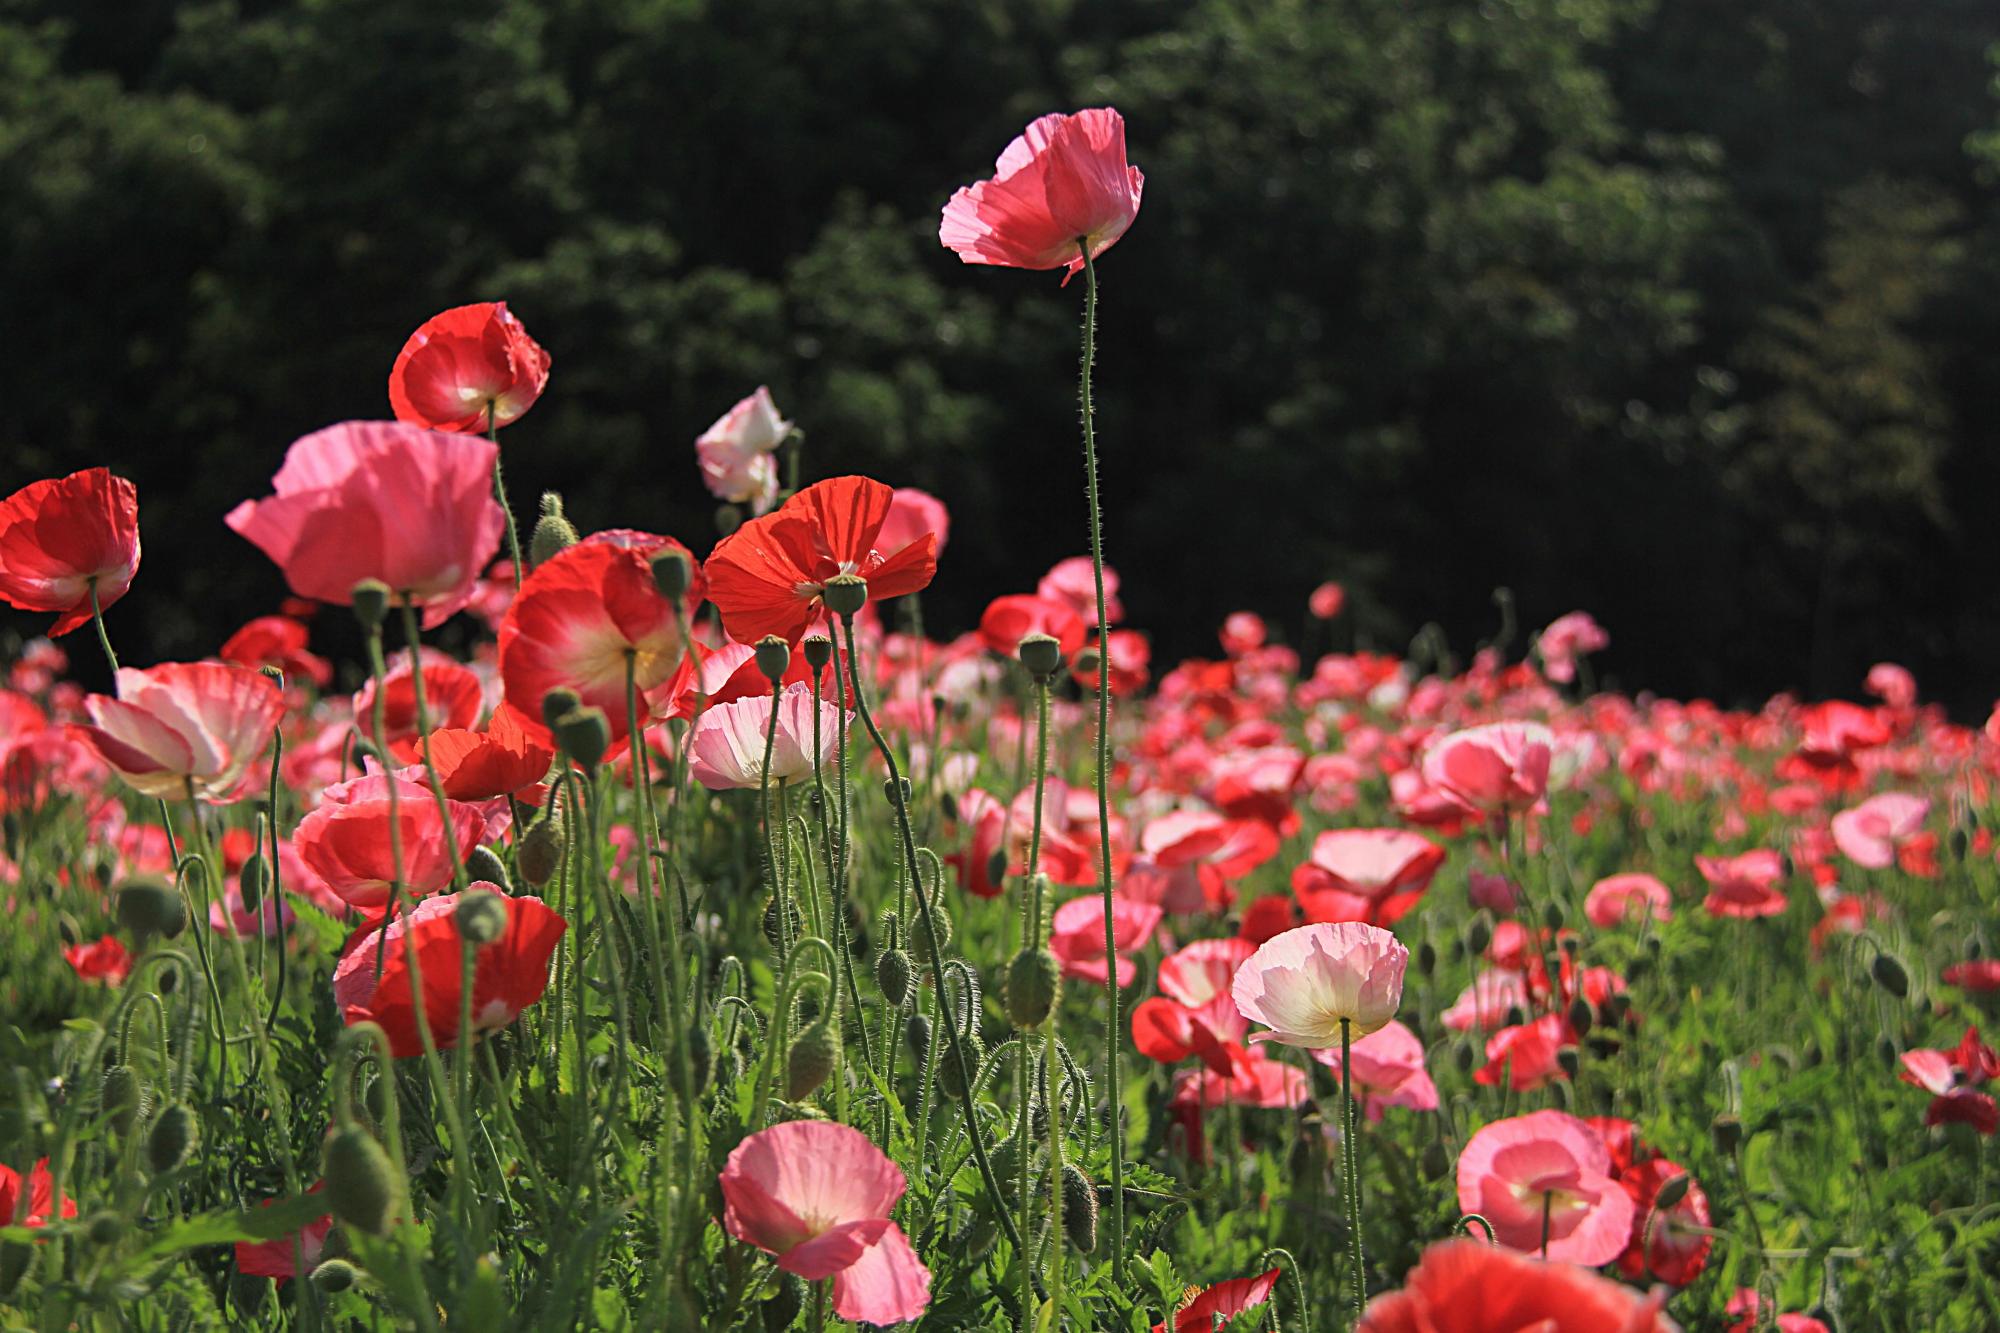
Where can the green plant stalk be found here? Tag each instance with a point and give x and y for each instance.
(412, 634)
(836, 883)
(1351, 1164)
(772, 876)
(500, 494)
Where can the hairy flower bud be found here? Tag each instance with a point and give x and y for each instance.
(809, 1061)
(480, 916)
(553, 533)
(361, 1185)
(172, 1138)
(149, 906)
(892, 974)
(1079, 1208)
(539, 853)
(1034, 979)
(672, 574)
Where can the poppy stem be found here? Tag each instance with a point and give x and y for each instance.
(500, 494)
(97, 619)
(1114, 1030)
(1351, 1164)
(413, 635)
(781, 908)
(837, 888)
(1548, 1207)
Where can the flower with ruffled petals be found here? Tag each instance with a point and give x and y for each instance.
(453, 697)
(1871, 833)
(1546, 1171)
(1077, 936)
(1202, 1310)
(1495, 769)
(62, 537)
(1072, 582)
(1619, 898)
(182, 725)
(1388, 1071)
(467, 368)
(1311, 984)
(1010, 619)
(912, 513)
(726, 748)
(1671, 1244)
(346, 842)
(277, 641)
(38, 1208)
(1747, 885)
(736, 454)
(1061, 187)
(1468, 1286)
(1371, 875)
(104, 960)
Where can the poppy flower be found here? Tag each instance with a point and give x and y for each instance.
(1979, 975)
(1063, 182)
(345, 839)
(502, 760)
(277, 641)
(1077, 936)
(182, 723)
(294, 1255)
(102, 960)
(583, 619)
(1619, 898)
(1202, 1310)
(1253, 1080)
(736, 453)
(1310, 983)
(1170, 1032)
(1496, 769)
(1203, 854)
(1953, 1078)
(1072, 582)
(1523, 1055)
(1546, 1171)
(465, 365)
(453, 697)
(1130, 655)
(380, 500)
(768, 577)
(1326, 601)
(1671, 1244)
(817, 1196)
(981, 863)
(1746, 1304)
(1008, 620)
(37, 1209)
(1468, 1286)
(508, 974)
(1388, 1071)
(912, 513)
(726, 748)
(59, 537)
(1371, 875)
(1871, 834)
(1748, 885)
(1566, 639)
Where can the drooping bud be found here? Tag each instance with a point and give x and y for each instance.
(1569, 1060)
(334, 1276)
(784, 1304)
(553, 534)
(917, 1035)
(172, 1138)
(122, 1097)
(809, 1061)
(480, 916)
(371, 603)
(584, 735)
(846, 594)
(1552, 915)
(1041, 654)
(1581, 1017)
(774, 657)
(974, 1051)
(1727, 1133)
(539, 853)
(1672, 1192)
(148, 906)
(1034, 979)
(250, 881)
(1079, 1208)
(1427, 958)
(896, 790)
(559, 703)
(996, 865)
(361, 1185)
(892, 974)
(1479, 932)
(1436, 1160)
(701, 1055)
(1890, 974)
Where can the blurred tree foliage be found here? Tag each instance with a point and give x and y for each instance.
(1683, 311)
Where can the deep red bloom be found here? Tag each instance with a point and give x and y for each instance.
(58, 536)
(463, 363)
(40, 1203)
(1062, 181)
(277, 641)
(453, 697)
(102, 960)
(1524, 1056)
(1224, 1301)
(769, 575)
(508, 975)
(1468, 1286)
(502, 760)
(1014, 617)
(277, 1258)
(346, 841)
(1670, 1244)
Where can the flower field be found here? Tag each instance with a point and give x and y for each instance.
(641, 937)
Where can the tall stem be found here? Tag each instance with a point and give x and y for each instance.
(1351, 1164)
(103, 639)
(1114, 1031)
(500, 494)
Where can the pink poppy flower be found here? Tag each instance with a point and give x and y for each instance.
(278, 1258)
(1388, 1071)
(817, 1196)
(1310, 983)
(1566, 639)
(453, 697)
(1203, 971)
(466, 368)
(912, 513)
(1202, 1310)
(1170, 1032)
(1748, 885)
(1204, 852)
(736, 454)
(1871, 833)
(1484, 1004)
(181, 723)
(1327, 600)
(1077, 936)
(1468, 1286)
(1549, 1169)
(1979, 975)
(61, 536)
(1746, 1304)
(1496, 893)
(1619, 898)
(1371, 875)
(1892, 684)
(1496, 769)
(380, 500)
(1063, 183)
(727, 748)
(345, 839)
(1071, 582)
(1953, 1078)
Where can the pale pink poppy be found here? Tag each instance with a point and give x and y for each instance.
(1746, 885)
(1566, 639)
(727, 748)
(1870, 833)
(1484, 1004)
(383, 500)
(1071, 582)
(1619, 898)
(817, 1196)
(1495, 769)
(1892, 684)
(1310, 984)
(1061, 188)
(1546, 1170)
(182, 725)
(912, 513)
(1327, 600)
(1372, 875)
(735, 453)
(1197, 973)
(1077, 936)
(1388, 1071)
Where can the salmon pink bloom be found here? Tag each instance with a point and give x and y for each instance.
(1619, 898)
(1326, 601)
(726, 748)
(1310, 984)
(345, 839)
(503, 760)
(1953, 1077)
(1253, 1080)
(1671, 1244)
(817, 1196)
(35, 1206)
(1566, 639)
(1071, 582)
(1873, 832)
(1200, 1312)
(1496, 769)
(1014, 617)
(453, 697)
(466, 368)
(508, 974)
(182, 725)
(769, 575)
(1892, 684)
(1388, 1071)
(1243, 632)
(584, 619)
(982, 862)
(1077, 936)
(59, 538)
(295, 1255)
(1547, 1168)
(1130, 656)
(1748, 885)
(1202, 854)
(1746, 1304)
(736, 454)
(1523, 1056)
(1979, 975)
(380, 500)
(277, 641)
(102, 960)
(912, 513)
(1468, 1286)
(1062, 184)
(1371, 875)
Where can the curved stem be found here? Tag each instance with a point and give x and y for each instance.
(500, 494)
(103, 639)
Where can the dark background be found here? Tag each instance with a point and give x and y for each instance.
(1687, 313)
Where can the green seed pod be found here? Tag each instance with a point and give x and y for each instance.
(949, 1081)
(818, 650)
(1581, 1017)
(334, 1276)
(1079, 1208)
(584, 735)
(809, 1061)
(783, 1305)
(172, 1138)
(892, 974)
(539, 853)
(122, 1097)
(1569, 1060)
(251, 881)
(1553, 916)
(480, 915)
(148, 906)
(917, 1035)
(1436, 1160)
(1034, 979)
(1726, 1131)
(553, 533)
(773, 657)
(846, 594)
(1427, 958)
(361, 1185)
(671, 574)
(1671, 1193)
(1890, 974)
(483, 866)
(1479, 932)
(106, 1228)
(1041, 654)
(371, 603)
(701, 1054)
(559, 703)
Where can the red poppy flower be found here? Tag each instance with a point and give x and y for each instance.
(769, 575)
(1012, 618)
(1062, 181)
(503, 760)
(1131, 661)
(278, 1258)
(581, 617)
(277, 641)
(41, 1196)
(464, 363)
(508, 975)
(1524, 1056)
(345, 839)
(1671, 1244)
(1468, 1286)
(453, 697)
(102, 960)
(1223, 1301)
(58, 537)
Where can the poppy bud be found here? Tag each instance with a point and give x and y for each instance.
(1890, 974)
(1516, 1016)
(1885, 1050)
(1974, 948)
(1603, 1044)
(483, 866)
(1079, 1208)
(701, 1055)
(1085, 667)
(1569, 1060)
(335, 1276)
(774, 657)
(1427, 958)
(773, 933)
(1727, 1133)
(361, 1186)
(480, 916)
(539, 853)
(1552, 915)
(1958, 843)
(917, 1035)
(784, 1304)
(809, 1061)
(1034, 979)
(148, 906)
(1580, 1016)
(371, 603)
(173, 1137)
(818, 650)
(948, 806)
(250, 881)
(122, 1097)
(974, 1051)
(559, 703)
(1672, 1192)
(996, 865)
(1479, 932)
(728, 518)
(896, 790)
(846, 594)
(1463, 1055)
(553, 534)
(1041, 654)
(106, 1228)
(892, 974)
(584, 735)
(672, 574)
(940, 922)
(1436, 1160)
